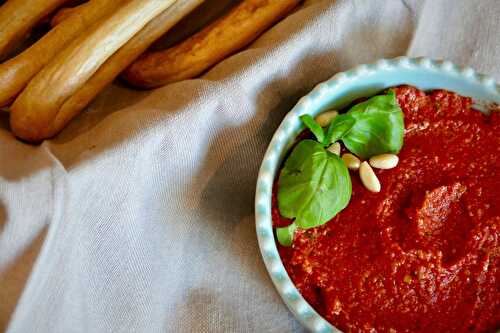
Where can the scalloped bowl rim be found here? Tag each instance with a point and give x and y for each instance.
(337, 92)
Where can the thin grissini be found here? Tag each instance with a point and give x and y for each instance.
(243, 24)
(30, 123)
(34, 111)
(16, 72)
(17, 19)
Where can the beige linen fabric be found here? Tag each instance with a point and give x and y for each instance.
(138, 217)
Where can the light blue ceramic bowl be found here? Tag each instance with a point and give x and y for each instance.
(336, 93)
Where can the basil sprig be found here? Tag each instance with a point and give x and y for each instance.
(370, 128)
(314, 184)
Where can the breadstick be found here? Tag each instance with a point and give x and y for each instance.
(37, 106)
(18, 71)
(18, 17)
(31, 124)
(190, 58)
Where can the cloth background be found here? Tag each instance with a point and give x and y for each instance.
(138, 217)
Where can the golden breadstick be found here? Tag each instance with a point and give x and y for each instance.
(190, 58)
(16, 73)
(33, 112)
(18, 17)
(29, 123)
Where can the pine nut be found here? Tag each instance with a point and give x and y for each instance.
(326, 118)
(334, 148)
(351, 161)
(384, 161)
(369, 178)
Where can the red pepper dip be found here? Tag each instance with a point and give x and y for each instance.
(423, 255)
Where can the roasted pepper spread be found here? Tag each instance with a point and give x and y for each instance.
(423, 255)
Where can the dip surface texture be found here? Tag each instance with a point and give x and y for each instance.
(423, 255)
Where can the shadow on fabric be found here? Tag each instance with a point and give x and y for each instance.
(206, 308)
(14, 278)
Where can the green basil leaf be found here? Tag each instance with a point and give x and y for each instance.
(338, 128)
(317, 130)
(314, 185)
(378, 127)
(285, 234)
